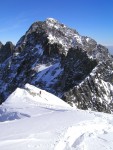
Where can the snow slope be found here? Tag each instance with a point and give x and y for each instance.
(30, 119)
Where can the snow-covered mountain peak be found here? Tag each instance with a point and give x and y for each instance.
(32, 94)
(56, 33)
(57, 59)
(45, 96)
(51, 20)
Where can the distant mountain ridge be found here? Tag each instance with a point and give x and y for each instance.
(58, 59)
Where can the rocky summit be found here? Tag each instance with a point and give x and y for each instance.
(58, 59)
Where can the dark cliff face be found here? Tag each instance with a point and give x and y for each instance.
(95, 92)
(1, 45)
(77, 66)
(6, 51)
(56, 58)
(92, 93)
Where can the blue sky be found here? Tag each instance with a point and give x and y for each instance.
(92, 18)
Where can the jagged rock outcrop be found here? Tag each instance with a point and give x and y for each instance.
(56, 58)
(6, 51)
(1, 45)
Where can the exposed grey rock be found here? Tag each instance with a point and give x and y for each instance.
(6, 51)
(1, 45)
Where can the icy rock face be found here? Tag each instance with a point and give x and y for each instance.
(58, 59)
(95, 92)
(92, 93)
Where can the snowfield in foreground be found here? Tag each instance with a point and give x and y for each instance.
(34, 119)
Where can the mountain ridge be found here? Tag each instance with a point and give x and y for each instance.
(57, 59)
(33, 120)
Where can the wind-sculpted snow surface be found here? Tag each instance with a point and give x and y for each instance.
(58, 59)
(49, 123)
